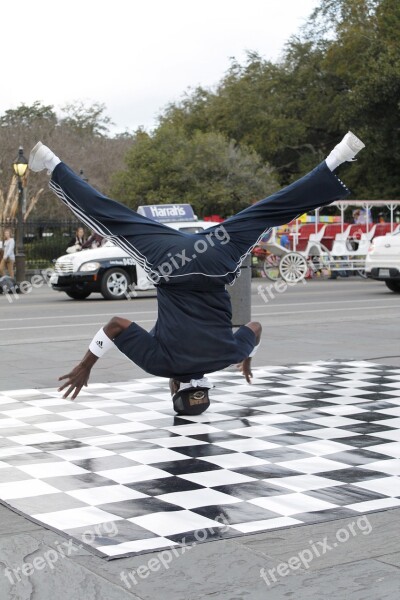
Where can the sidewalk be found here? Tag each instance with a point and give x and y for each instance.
(364, 568)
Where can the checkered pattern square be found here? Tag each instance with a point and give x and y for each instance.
(119, 472)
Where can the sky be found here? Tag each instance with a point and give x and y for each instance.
(134, 56)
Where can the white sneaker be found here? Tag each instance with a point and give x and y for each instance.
(347, 149)
(41, 157)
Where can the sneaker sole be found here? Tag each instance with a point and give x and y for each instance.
(33, 154)
(355, 143)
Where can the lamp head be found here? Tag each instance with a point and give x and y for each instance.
(20, 164)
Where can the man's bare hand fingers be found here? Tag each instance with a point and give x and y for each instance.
(70, 389)
(64, 377)
(74, 395)
(66, 384)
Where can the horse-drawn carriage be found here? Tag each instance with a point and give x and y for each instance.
(325, 249)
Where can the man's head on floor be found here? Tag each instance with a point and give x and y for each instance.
(190, 400)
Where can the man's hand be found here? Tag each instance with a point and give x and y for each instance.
(78, 378)
(245, 368)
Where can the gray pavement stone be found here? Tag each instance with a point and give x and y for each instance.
(391, 559)
(11, 522)
(309, 541)
(203, 571)
(56, 541)
(31, 570)
(363, 580)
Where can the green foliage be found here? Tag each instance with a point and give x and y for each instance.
(89, 119)
(86, 119)
(25, 115)
(219, 149)
(206, 170)
(46, 249)
(340, 72)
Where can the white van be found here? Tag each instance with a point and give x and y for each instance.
(109, 270)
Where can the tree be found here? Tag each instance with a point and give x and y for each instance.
(86, 119)
(82, 147)
(365, 55)
(206, 170)
(340, 72)
(25, 115)
(9, 201)
(241, 107)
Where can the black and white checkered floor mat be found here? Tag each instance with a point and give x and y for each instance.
(119, 472)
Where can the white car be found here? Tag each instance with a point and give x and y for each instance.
(109, 269)
(383, 260)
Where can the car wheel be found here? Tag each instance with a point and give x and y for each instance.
(115, 284)
(78, 294)
(394, 286)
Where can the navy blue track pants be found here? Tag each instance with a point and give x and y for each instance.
(178, 257)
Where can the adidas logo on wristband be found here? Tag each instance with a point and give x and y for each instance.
(100, 344)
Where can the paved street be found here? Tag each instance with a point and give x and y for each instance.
(44, 333)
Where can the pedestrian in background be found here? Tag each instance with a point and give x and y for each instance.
(285, 239)
(94, 241)
(77, 242)
(7, 262)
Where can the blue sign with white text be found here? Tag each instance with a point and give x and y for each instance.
(167, 212)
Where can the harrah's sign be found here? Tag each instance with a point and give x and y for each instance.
(168, 212)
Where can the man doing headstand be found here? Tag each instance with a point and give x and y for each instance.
(193, 332)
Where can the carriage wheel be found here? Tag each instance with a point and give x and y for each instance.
(293, 267)
(271, 267)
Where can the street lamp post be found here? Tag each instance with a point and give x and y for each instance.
(20, 166)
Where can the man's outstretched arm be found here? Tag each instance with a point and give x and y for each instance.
(245, 365)
(102, 341)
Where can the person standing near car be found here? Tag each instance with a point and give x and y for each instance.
(8, 260)
(77, 242)
(94, 241)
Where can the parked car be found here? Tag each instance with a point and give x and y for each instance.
(111, 270)
(383, 260)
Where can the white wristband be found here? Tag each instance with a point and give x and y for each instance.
(100, 344)
(254, 351)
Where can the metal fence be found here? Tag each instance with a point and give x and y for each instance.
(44, 241)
